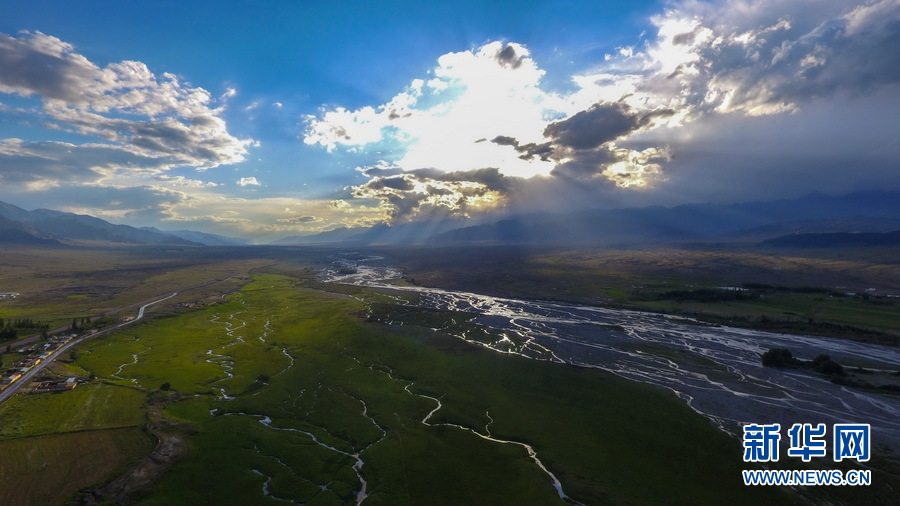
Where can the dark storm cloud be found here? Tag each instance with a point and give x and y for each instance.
(427, 193)
(543, 151)
(399, 183)
(602, 123)
(504, 140)
(772, 57)
(765, 60)
(585, 165)
(790, 155)
(508, 57)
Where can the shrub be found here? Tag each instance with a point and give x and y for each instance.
(831, 368)
(778, 357)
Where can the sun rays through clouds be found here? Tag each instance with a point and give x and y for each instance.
(486, 113)
(540, 108)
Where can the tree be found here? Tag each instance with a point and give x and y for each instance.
(778, 357)
(819, 360)
(823, 364)
(831, 368)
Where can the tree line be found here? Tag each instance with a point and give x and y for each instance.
(9, 328)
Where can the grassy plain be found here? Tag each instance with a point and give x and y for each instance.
(283, 387)
(306, 361)
(49, 469)
(59, 284)
(89, 407)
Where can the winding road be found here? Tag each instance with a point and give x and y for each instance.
(26, 378)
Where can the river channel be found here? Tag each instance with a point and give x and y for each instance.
(715, 369)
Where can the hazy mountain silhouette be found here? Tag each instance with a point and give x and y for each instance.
(747, 222)
(54, 226)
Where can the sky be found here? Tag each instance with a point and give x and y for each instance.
(263, 120)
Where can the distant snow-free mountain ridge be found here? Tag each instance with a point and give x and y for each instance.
(866, 212)
(861, 219)
(44, 227)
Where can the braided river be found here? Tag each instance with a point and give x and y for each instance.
(716, 370)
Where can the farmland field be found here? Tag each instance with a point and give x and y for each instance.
(88, 407)
(49, 469)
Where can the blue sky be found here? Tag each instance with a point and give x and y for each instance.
(270, 119)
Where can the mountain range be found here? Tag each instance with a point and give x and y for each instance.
(46, 227)
(753, 222)
(816, 220)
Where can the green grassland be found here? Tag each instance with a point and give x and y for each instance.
(308, 363)
(88, 407)
(49, 469)
(59, 284)
(284, 385)
(52, 445)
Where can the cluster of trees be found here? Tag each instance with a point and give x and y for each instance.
(779, 357)
(782, 357)
(9, 329)
(823, 364)
(702, 295)
(82, 326)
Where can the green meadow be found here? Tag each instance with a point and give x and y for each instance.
(88, 407)
(57, 285)
(286, 392)
(281, 387)
(48, 469)
(52, 445)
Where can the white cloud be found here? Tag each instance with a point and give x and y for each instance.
(443, 122)
(248, 181)
(734, 59)
(123, 103)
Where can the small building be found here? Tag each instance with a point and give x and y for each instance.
(55, 386)
(12, 378)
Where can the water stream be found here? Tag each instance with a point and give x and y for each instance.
(716, 370)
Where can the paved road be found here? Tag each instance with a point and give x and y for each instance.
(26, 378)
(22, 343)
